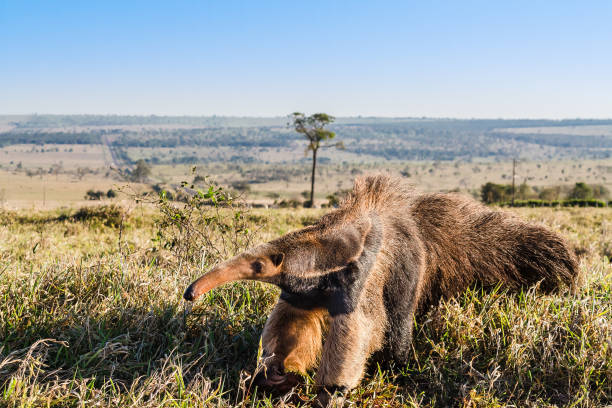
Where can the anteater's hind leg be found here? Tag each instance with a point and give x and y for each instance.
(292, 341)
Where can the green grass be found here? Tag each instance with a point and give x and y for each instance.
(92, 315)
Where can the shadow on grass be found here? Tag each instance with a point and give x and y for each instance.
(491, 346)
(125, 345)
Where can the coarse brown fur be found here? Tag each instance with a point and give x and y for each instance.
(361, 273)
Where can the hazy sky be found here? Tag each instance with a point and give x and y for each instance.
(397, 58)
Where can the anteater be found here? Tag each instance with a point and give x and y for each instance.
(353, 282)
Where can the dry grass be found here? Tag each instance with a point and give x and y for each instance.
(92, 315)
(428, 176)
(68, 155)
(17, 190)
(20, 191)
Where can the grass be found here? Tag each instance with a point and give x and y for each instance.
(91, 315)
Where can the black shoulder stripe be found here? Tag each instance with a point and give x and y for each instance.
(337, 291)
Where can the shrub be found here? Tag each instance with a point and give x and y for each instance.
(584, 203)
(333, 200)
(141, 173)
(241, 186)
(207, 226)
(94, 195)
(550, 193)
(290, 203)
(523, 192)
(581, 191)
(557, 203)
(495, 193)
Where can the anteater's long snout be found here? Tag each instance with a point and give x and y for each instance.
(216, 277)
(261, 266)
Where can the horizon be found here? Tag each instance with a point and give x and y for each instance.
(436, 60)
(357, 116)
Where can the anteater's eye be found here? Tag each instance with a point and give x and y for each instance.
(257, 267)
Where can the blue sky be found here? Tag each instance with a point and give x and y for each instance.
(396, 58)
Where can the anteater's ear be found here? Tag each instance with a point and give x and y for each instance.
(349, 243)
(277, 259)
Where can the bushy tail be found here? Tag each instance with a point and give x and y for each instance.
(542, 256)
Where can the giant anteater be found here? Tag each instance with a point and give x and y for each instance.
(359, 275)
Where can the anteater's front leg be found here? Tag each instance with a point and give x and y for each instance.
(292, 341)
(351, 341)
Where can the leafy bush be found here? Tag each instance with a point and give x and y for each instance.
(94, 195)
(494, 193)
(290, 203)
(333, 200)
(207, 226)
(583, 203)
(141, 173)
(581, 191)
(558, 203)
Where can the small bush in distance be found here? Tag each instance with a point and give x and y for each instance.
(94, 195)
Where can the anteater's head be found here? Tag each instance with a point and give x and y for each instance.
(311, 262)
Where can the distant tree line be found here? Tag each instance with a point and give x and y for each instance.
(560, 140)
(560, 203)
(209, 137)
(492, 193)
(40, 138)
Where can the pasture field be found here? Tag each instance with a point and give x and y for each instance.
(292, 153)
(91, 314)
(427, 176)
(54, 187)
(68, 156)
(289, 181)
(46, 191)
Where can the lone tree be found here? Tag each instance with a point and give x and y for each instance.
(141, 172)
(313, 128)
